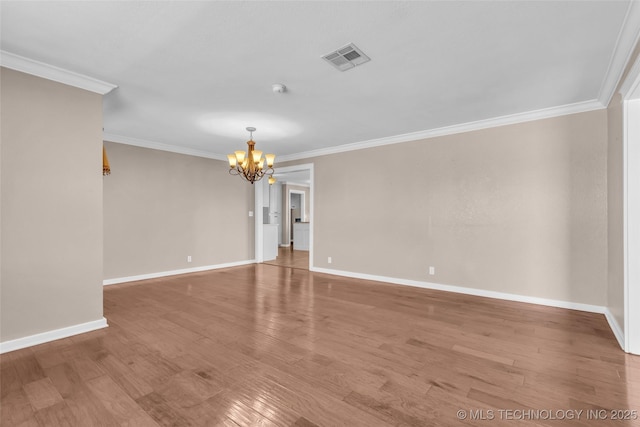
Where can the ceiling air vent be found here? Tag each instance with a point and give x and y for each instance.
(346, 57)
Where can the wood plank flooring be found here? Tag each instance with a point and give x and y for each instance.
(263, 345)
(289, 258)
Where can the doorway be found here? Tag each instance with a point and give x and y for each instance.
(297, 214)
(290, 200)
(287, 257)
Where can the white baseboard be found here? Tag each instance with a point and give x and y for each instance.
(468, 291)
(56, 334)
(615, 327)
(115, 281)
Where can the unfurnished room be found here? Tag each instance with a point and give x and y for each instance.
(319, 213)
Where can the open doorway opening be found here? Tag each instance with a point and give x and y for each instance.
(286, 225)
(297, 217)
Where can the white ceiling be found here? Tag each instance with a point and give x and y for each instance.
(192, 75)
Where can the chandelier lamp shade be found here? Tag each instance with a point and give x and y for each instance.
(251, 165)
(106, 169)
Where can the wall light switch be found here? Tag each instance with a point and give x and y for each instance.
(250, 213)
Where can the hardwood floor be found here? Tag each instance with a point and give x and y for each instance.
(293, 259)
(263, 345)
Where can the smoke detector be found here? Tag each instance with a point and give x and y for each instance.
(346, 58)
(278, 88)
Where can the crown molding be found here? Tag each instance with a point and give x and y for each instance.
(528, 116)
(50, 72)
(632, 81)
(627, 40)
(161, 146)
(545, 113)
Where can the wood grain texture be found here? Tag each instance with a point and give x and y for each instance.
(42, 393)
(287, 257)
(267, 345)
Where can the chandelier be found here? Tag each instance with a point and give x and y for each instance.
(106, 169)
(251, 165)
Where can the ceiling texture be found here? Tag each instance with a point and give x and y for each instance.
(191, 76)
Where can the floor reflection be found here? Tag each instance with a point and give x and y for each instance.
(289, 258)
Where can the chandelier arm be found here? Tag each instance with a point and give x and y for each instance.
(250, 169)
(248, 176)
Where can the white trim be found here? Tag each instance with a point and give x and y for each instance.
(120, 139)
(312, 217)
(107, 282)
(631, 224)
(299, 184)
(615, 327)
(625, 218)
(626, 42)
(632, 82)
(51, 72)
(258, 234)
(528, 116)
(53, 335)
(468, 291)
(297, 168)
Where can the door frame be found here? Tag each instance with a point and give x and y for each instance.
(630, 91)
(259, 201)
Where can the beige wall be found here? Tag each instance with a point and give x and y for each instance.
(51, 217)
(615, 290)
(519, 209)
(160, 207)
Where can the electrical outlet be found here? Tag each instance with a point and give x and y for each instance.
(432, 271)
(189, 258)
(250, 213)
(329, 260)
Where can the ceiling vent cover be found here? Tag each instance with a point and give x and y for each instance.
(346, 57)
